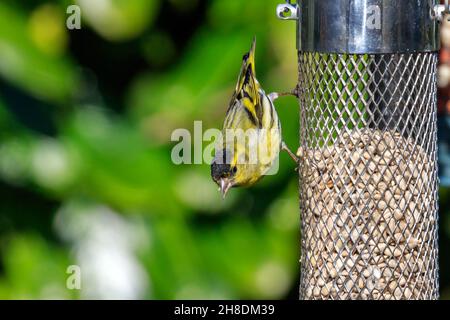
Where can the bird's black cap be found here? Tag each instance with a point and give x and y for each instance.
(220, 167)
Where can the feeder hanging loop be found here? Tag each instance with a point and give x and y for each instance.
(439, 11)
(287, 11)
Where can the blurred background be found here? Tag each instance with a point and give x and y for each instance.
(86, 176)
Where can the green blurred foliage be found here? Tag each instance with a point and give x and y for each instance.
(24, 63)
(86, 118)
(86, 176)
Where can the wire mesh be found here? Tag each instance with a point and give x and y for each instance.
(368, 176)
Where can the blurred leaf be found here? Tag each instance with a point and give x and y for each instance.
(34, 270)
(159, 48)
(196, 190)
(47, 29)
(118, 167)
(230, 260)
(119, 20)
(184, 5)
(225, 14)
(22, 63)
(15, 159)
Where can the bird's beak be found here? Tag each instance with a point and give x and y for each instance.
(225, 185)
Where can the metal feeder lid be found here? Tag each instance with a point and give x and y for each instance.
(365, 26)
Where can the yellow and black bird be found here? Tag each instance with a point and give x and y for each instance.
(251, 132)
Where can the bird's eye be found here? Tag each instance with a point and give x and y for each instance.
(234, 170)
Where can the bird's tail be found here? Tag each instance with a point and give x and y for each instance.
(248, 67)
(247, 83)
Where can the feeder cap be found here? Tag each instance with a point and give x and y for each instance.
(367, 26)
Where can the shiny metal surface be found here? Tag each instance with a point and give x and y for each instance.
(287, 11)
(367, 26)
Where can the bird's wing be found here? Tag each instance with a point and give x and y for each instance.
(248, 91)
(248, 97)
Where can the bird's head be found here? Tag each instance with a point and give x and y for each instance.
(226, 172)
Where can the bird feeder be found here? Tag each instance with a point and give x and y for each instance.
(368, 131)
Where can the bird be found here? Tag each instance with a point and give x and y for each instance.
(251, 134)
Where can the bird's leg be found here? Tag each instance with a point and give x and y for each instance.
(284, 147)
(275, 95)
(296, 158)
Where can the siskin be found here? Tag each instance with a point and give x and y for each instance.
(251, 132)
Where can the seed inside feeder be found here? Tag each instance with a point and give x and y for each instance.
(366, 216)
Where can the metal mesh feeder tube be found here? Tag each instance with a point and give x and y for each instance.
(368, 145)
